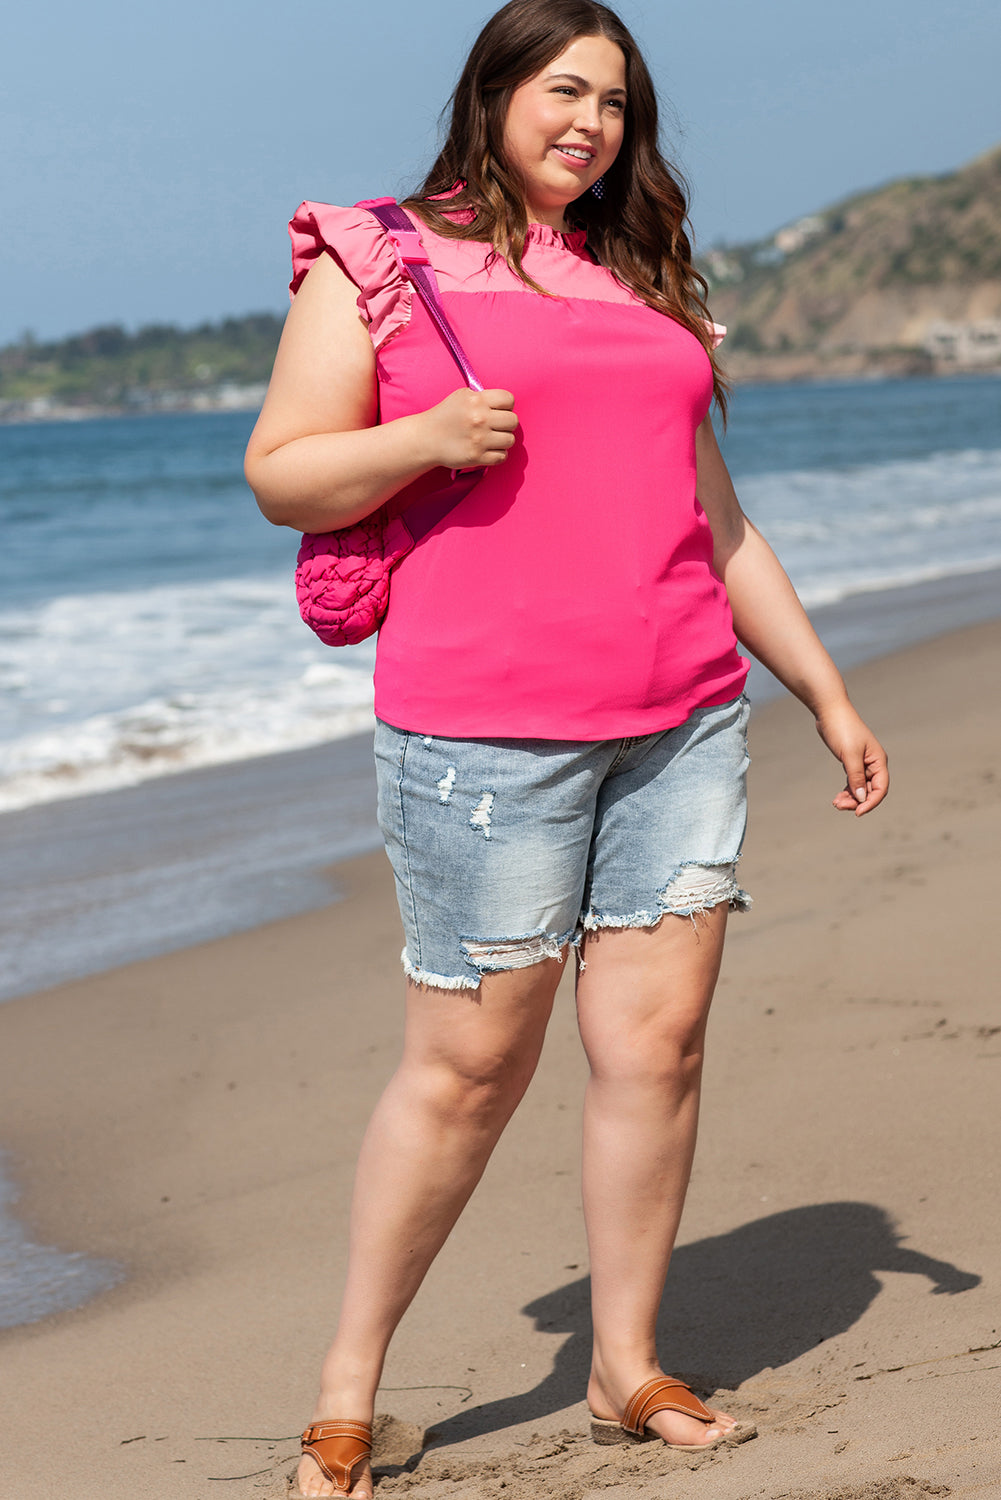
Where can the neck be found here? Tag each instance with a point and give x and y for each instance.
(555, 218)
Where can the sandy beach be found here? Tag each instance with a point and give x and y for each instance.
(195, 1117)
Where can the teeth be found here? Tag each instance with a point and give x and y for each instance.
(575, 151)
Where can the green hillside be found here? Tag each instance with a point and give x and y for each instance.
(907, 275)
(157, 367)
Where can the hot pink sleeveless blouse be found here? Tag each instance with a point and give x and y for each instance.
(571, 595)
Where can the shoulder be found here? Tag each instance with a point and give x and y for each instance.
(361, 247)
(352, 235)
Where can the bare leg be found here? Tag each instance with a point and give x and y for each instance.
(468, 1058)
(643, 1001)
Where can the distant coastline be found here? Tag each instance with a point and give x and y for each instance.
(899, 281)
(230, 398)
(108, 371)
(848, 369)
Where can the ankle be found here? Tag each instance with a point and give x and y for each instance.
(334, 1405)
(614, 1378)
(347, 1391)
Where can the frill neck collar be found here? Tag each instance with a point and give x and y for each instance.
(535, 234)
(542, 234)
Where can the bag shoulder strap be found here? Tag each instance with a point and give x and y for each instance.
(415, 264)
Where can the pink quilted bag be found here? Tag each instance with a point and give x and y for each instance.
(342, 577)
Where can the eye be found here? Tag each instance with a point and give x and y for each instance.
(565, 88)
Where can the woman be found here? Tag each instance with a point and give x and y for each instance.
(560, 738)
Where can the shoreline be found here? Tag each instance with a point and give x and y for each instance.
(204, 403)
(750, 371)
(91, 882)
(195, 1117)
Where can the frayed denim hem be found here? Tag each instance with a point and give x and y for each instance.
(495, 956)
(436, 981)
(692, 892)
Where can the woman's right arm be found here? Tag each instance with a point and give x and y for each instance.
(317, 460)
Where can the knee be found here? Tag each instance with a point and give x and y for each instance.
(476, 1087)
(667, 1057)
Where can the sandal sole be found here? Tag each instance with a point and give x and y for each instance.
(609, 1433)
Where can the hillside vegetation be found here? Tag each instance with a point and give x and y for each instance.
(157, 368)
(905, 277)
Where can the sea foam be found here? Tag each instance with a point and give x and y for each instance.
(110, 689)
(113, 685)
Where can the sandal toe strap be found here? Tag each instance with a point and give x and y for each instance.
(662, 1393)
(337, 1448)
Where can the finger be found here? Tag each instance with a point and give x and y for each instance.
(854, 764)
(879, 784)
(499, 400)
(496, 453)
(503, 421)
(496, 448)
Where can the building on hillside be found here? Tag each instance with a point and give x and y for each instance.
(965, 344)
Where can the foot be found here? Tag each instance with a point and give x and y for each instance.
(607, 1400)
(341, 1445)
(312, 1481)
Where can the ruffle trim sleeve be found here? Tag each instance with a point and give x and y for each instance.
(359, 244)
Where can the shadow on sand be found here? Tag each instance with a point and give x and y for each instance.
(736, 1304)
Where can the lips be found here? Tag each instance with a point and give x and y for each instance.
(580, 157)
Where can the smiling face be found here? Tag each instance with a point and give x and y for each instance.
(564, 127)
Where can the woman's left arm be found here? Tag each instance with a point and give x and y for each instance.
(772, 623)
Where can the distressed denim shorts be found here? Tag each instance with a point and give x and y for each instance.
(505, 850)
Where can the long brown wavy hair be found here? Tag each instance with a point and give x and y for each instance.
(638, 228)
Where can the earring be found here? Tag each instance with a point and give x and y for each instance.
(598, 187)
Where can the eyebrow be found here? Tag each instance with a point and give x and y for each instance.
(582, 83)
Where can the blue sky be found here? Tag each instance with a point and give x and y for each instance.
(152, 155)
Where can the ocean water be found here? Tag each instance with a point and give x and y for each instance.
(36, 1280)
(148, 625)
(148, 622)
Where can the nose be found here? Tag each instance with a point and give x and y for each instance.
(588, 117)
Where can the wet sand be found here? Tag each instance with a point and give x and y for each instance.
(195, 1117)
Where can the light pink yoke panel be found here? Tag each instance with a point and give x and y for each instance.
(571, 595)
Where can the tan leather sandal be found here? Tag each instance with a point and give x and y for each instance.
(664, 1393)
(337, 1448)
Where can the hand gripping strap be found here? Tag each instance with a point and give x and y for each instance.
(421, 516)
(342, 581)
(413, 261)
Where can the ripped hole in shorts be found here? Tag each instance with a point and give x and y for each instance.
(692, 892)
(512, 953)
(698, 888)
